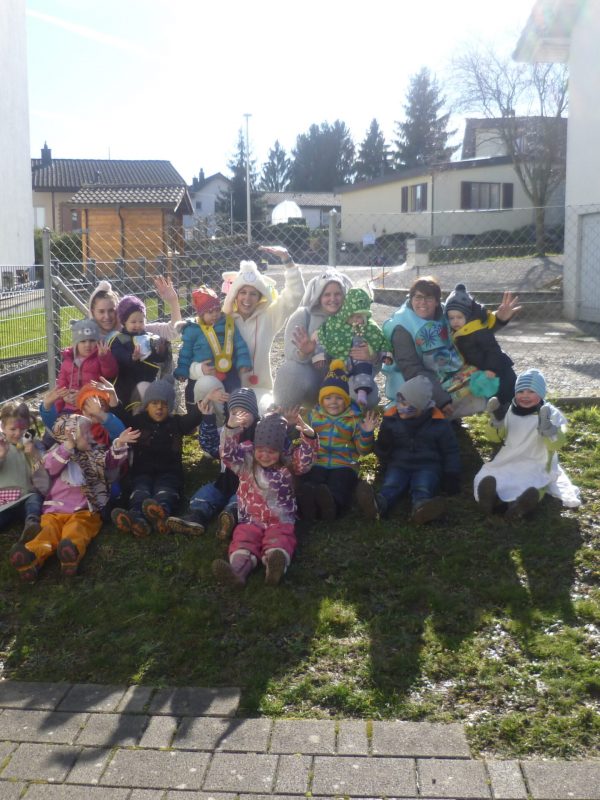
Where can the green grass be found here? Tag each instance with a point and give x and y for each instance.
(472, 620)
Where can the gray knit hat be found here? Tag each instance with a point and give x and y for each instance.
(163, 389)
(417, 392)
(531, 379)
(271, 432)
(459, 300)
(244, 398)
(83, 330)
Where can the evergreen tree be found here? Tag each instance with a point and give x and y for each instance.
(373, 155)
(233, 202)
(423, 136)
(323, 158)
(276, 170)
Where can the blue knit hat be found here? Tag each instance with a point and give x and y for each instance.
(531, 379)
(335, 382)
(244, 398)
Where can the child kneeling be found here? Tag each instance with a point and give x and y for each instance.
(266, 502)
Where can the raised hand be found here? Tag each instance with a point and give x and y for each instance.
(302, 341)
(290, 414)
(165, 289)
(106, 386)
(545, 425)
(276, 250)
(52, 395)
(508, 307)
(369, 422)
(103, 349)
(218, 395)
(304, 427)
(92, 408)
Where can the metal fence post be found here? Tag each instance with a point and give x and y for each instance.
(48, 307)
(333, 237)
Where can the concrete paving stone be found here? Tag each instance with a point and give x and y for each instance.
(6, 748)
(92, 697)
(196, 702)
(210, 733)
(426, 739)
(160, 732)
(89, 766)
(241, 772)
(507, 780)
(364, 777)
(293, 773)
(352, 738)
(113, 729)
(136, 699)
(28, 694)
(452, 778)
(205, 796)
(53, 792)
(157, 794)
(41, 762)
(313, 737)
(23, 725)
(561, 780)
(155, 769)
(10, 790)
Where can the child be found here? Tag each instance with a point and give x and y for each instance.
(88, 360)
(266, 503)
(329, 485)
(139, 354)
(418, 448)
(219, 496)
(19, 461)
(212, 351)
(350, 327)
(156, 471)
(473, 335)
(79, 490)
(90, 401)
(526, 466)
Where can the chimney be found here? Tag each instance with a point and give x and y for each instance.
(46, 156)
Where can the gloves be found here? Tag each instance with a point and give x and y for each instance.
(545, 426)
(493, 404)
(451, 482)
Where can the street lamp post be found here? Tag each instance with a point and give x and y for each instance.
(248, 211)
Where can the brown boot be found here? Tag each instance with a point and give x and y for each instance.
(486, 494)
(275, 566)
(69, 558)
(225, 525)
(524, 504)
(428, 510)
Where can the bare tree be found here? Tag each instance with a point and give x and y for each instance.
(528, 103)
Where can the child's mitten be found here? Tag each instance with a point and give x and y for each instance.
(545, 425)
(493, 404)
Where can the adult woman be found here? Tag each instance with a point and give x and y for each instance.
(259, 313)
(422, 345)
(299, 378)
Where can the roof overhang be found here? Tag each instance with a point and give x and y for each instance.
(546, 37)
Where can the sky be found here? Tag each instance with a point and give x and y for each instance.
(172, 79)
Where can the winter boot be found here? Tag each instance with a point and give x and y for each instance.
(126, 523)
(305, 498)
(156, 515)
(371, 504)
(69, 557)
(428, 510)
(234, 572)
(325, 503)
(31, 528)
(190, 524)
(24, 561)
(226, 522)
(486, 493)
(524, 504)
(275, 566)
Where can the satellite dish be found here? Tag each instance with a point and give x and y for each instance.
(285, 211)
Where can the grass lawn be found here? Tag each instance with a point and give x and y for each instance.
(470, 620)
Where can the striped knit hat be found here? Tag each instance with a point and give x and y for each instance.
(531, 379)
(336, 382)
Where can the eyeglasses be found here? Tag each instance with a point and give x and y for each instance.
(424, 298)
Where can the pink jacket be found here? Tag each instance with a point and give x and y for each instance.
(73, 376)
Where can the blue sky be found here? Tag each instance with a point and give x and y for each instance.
(172, 79)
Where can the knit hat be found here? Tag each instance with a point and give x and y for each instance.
(271, 431)
(162, 389)
(103, 286)
(127, 305)
(531, 379)
(417, 392)
(245, 399)
(204, 300)
(70, 425)
(88, 391)
(83, 330)
(248, 275)
(460, 300)
(336, 382)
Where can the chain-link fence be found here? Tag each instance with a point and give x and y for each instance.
(553, 268)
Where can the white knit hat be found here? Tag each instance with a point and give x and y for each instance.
(248, 275)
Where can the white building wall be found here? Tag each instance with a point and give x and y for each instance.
(16, 209)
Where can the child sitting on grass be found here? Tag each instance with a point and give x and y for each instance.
(419, 450)
(526, 466)
(88, 360)
(79, 489)
(266, 502)
(328, 488)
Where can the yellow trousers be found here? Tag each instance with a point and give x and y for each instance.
(80, 527)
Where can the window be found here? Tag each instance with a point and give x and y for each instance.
(481, 196)
(39, 213)
(198, 205)
(413, 198)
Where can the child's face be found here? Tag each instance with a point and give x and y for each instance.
(242, 417)
(84, 438)
(247, 299)
(157, 410)
(527, 398)
(86, 348)
(456, 319)
(211, 316)
(135, 322)
(405, 410)
(266, 456)
(356, 319)
(13, 430)
(334, 404)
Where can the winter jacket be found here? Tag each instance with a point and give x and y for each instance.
(337, 335)
(478, 346)
(195, 347)
(15, 473)
(132, 372)
(341, 439)
(73, 375)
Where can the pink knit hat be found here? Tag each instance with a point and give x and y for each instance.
(127, 306)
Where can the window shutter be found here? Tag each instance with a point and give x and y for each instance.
(404, 199)
(424, 197)
(465, 195)
(507, 195)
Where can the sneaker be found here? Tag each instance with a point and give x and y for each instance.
(225, 525)
(325, 503)
(305, 499)
(31, 528)
(524, 504)
(428, 510)
(156, 515)
(275, 565)
(367, 500)
(69, 557)
(486, 494)
(24, 561)
(225, 574)
(187, 524)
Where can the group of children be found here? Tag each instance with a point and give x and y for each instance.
(274, 467)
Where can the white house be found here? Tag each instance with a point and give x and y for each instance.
(16, 209)
(569, 31)
(314, 206)
(205, 192)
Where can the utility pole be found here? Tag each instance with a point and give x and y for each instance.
(248, 211)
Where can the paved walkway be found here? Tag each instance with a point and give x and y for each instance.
(61, 741)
